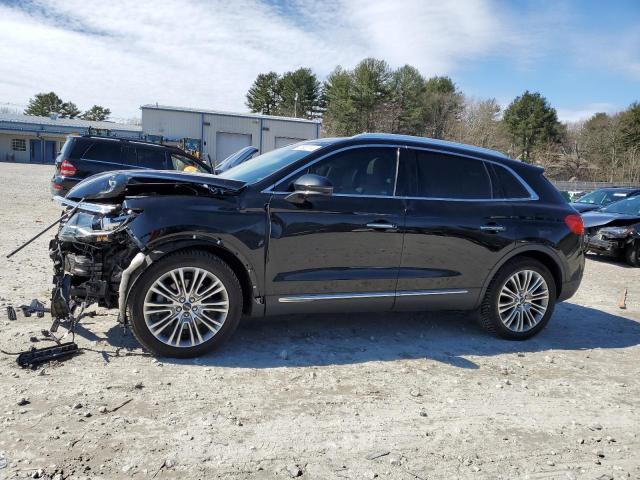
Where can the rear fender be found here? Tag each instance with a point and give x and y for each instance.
(522, 250)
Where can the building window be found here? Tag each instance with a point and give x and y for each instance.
(18, 145)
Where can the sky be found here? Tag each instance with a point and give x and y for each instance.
(583, 56)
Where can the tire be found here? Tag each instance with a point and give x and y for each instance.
(490, 318)
(631, 254)
(194, 325)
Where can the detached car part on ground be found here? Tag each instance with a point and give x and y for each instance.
(614, 231)
(366, 223)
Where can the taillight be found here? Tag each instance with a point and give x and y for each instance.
(56, 186)
(575, 223)
(67, 168)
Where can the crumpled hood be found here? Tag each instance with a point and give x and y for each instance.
(118, 184)
(599, 219)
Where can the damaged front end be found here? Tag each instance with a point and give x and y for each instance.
(96, 251)
(613, 241)
(91, 251)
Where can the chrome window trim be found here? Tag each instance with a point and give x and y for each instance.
(269, 189)
(356, 295)
(533, 196)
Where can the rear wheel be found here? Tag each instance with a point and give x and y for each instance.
(185, 305)
(519, 300)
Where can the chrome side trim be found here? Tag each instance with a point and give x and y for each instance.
(87, 207)
(532, 194)
(417, 293)
(347, 296)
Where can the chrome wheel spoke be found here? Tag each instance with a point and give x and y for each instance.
(186, 307)
(523, 300)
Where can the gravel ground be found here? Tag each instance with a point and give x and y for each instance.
(402, 396)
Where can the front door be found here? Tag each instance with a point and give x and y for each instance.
(456, 231)
(338, 251)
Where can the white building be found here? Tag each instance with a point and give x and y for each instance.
(219, 134)
(26, 138)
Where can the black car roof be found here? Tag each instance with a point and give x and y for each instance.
(424, 142)
(141, 142)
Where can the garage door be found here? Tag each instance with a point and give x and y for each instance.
(284, 141)
(228, 143)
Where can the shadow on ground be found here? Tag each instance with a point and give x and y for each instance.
(618, 262)
(316, 340)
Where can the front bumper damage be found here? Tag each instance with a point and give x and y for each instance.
(610, 241)
(94, 257)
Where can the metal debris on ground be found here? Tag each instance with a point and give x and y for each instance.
(36, 307)
(622, 299)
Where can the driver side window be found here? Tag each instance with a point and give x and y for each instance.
(359, 171)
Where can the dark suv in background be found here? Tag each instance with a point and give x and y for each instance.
(84, 156)
(366, 223)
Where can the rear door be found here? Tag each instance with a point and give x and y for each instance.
(456, 230)
(151, 157)
(102, 155)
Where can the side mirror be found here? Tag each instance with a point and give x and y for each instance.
(310, 185)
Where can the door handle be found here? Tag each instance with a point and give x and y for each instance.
(493, 228)
(382, 226)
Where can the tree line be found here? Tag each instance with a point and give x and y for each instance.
(372, 97)
(44, 104)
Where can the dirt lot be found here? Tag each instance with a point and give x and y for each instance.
(410, 396)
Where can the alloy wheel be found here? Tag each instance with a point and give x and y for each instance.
(523, 300)
(186, 307)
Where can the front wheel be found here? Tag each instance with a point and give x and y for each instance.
(631, 254)
(519, 300)
(185, 305)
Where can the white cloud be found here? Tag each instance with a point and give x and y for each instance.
(122, 54)
(584, 113)
(206, 54)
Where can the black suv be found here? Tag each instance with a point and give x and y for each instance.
(81, 157)
(367, 223)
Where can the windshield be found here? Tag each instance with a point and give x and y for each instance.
(628, 206)
(262, 166)
(602, 197)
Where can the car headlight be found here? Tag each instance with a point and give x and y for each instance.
(91, 227)
(615, 232)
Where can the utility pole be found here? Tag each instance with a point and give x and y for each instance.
(295, 105)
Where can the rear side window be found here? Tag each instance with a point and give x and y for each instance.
(103, 152)
(450, 176)
(75, 148)
(151, 158)
(508, 185)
